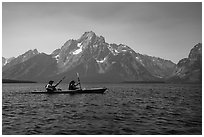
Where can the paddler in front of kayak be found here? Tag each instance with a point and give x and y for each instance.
(50, 88)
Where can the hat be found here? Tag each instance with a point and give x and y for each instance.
(72, 81)
(51, 81)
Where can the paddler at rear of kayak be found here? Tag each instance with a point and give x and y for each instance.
(50, 88)
(73, 85)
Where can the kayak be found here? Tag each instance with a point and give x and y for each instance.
(79, 91)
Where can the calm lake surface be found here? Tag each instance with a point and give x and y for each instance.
(136, 109)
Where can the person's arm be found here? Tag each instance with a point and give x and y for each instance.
(49, 87)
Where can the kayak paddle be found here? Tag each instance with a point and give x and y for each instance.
(59, 81)
(79, 80)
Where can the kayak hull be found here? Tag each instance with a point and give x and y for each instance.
(83, 91)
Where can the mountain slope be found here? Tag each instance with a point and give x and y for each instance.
(189, 70)
(26, 56)
(37, 68)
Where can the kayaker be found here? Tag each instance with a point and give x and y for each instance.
(49, 87)
(73, 85)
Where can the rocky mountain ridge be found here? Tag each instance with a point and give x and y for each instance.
(94, 59)
(189, 70)
(6, 60)
(22, 58)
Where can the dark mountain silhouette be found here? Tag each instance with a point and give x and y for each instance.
(189, 70)
(94, 59)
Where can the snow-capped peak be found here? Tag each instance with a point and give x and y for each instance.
(87, 36)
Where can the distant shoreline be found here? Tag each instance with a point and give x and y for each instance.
(143, 82)
(123, 82)
(16, 81)
(157, 82)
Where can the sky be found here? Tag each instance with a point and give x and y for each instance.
(168, 30)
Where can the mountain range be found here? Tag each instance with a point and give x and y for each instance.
(98, 61)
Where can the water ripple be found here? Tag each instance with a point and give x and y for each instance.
(140, 109)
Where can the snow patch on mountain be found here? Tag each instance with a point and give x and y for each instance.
(102, 64)
(137, 58)
(123, 50)
(5, 62)
(95, 46)
(102, 61)
(114, 51)
(158, 76)
(57, 57)
(78, 50)
(79, 45)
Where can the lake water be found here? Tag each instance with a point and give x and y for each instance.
(135, 109)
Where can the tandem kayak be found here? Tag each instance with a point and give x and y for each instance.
(79, 91)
